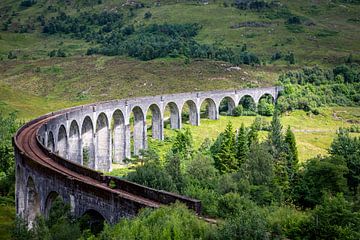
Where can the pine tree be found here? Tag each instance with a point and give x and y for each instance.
(225, 159)
(183, 144)
(254, 130)
(173, 168)
(292, 153)
(242, 145)
(275, 135)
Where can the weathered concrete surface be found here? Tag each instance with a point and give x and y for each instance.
(108, 130)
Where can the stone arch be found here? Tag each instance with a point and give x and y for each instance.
(94, 221)
(156, 122)
(74, 143)
(265, 105)
(210, 110)
(227, 105)
(51, 197)
(32, 202)
(268, 96)
(51, 142)
(103, 142)
(118, 136)
(248, 102)
(62, 142)
(193, 114)
(139, 133)
(20, 199)
(175, 119)
(88, 147)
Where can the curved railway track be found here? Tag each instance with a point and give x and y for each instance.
(26, 141)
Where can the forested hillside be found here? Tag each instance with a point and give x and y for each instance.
(47, 47)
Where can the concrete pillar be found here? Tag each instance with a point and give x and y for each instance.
(102, 143)
(19, 188)
(139, 134)
(157, 123)
(74, 143)
(62, 142)
(119, 139)
(127, 140)
(175, 116)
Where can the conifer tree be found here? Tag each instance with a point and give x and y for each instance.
(275, 135)
(242, 146)
(225, 159)
(292, 153)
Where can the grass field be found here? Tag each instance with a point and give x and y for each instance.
(313, 134)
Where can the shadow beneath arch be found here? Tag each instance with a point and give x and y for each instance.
(92, 220)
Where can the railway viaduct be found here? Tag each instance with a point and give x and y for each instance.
(64, 153)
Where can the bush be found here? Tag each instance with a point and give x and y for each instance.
(168, 222)
(238, 111)
(248, 223)
(147, 15)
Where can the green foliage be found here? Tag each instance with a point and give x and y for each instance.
(242, 145)
(200, 171)
(225, 158)
(249, 222)
(287, 222)
(292, 154)
(8, 127)
(59, 225)
(152, 175)
(173, 168)
(275, 137)
(86, 156)
(334, 218)
(238, 111)
(320, 176)
(311, 88)
(348, 148)
(183, 144)
(147, 15)
(170, 222)
(266, 108)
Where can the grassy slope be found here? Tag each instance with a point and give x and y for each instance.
(309, 47)
(77, 80)
(54, 83)
(314, 134)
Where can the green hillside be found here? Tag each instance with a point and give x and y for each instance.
(326, 36)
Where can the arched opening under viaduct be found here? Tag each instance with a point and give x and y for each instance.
(248, 104)
(156, 127)
(51, 142)
(74, 143)
(172, 116)
(208, 109)
(189, 113)
(92, 220)
(226, 107)
(138, 129)
(266, 105)
(118, 137)
(62, 143)
(103, 142)
(32, 202)
(88, 147)
(49, 202)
